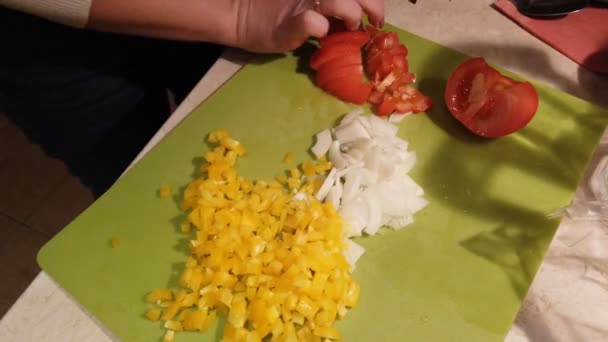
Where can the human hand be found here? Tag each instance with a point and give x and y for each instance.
(283, 25)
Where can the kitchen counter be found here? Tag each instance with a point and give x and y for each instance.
(569, 294)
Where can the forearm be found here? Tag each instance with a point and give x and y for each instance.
(198, 20)
(68, 12)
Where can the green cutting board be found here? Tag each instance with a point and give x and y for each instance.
(459, 273)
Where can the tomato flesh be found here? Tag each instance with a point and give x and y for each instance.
(487, 102)
(328, 73)
(358, 38)
(331, 52)
(349, 89)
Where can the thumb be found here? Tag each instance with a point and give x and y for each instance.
(296, 30)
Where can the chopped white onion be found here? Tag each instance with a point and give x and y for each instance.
(374, 206)
(350, 132)
(327, 185)
(353, 252)
(322, 144)
(335, 156)
(349, 117)
(351, 185)
(369, 184)
(335, 195)
(355, 214)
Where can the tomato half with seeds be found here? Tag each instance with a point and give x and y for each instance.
(487, 102)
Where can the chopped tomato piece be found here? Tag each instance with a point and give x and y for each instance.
(386, 107)
(375, 97)
(339, 65)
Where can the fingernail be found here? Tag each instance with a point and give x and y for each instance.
(355, 26)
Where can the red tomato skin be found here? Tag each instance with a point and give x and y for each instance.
(349, 89)
(509, 104)
(386, 107)
(347, 59)
(358, 38)
(327, 73)
(325, 54)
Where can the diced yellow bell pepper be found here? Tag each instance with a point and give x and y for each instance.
(274, 265)
(164, 191)
(153, 314)
(288, 158)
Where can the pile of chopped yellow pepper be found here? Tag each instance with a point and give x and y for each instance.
(273, 263)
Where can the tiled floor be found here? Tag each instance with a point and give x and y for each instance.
(38, 197)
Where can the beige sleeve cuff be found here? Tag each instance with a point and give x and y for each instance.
(68, 12)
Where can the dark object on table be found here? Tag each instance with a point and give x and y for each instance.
(581, 36)
(554, 8)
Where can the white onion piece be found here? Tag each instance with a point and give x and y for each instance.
(409, 162)
(364, 121)
(381, 127)
(350, 132)
(335, 156)
(369, 184)
(350, 160)
(335, 194)
(374, 207)
(355, 214)
(326, 186)
(322, 144)
(365, 176)
(372, 160)
(351, 185)
(398, 222)
(361, 144)
(353, 252)
(351, 116)
(356, 154)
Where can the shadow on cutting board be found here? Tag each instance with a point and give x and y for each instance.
(550, 152)
(303, 54)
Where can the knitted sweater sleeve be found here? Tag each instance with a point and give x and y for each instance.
(68, 12)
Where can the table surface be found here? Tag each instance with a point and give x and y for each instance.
(569, 294)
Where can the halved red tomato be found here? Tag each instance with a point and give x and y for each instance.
(334, 51)
(350, 89)
(358, 38)
(487, 102)
(328, 72)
